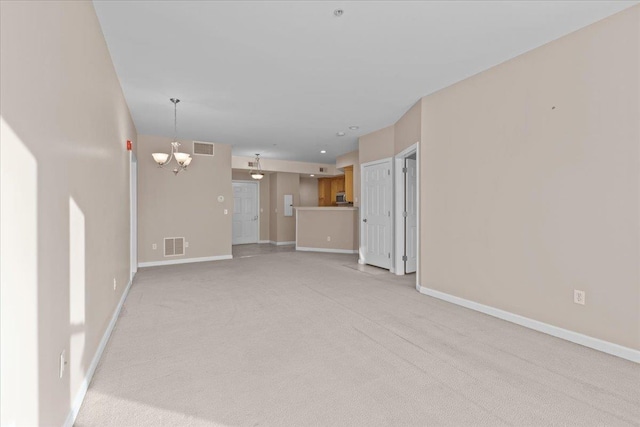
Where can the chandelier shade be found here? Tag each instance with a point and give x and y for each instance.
(256, 172)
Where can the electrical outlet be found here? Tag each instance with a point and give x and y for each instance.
(579, 297)
(63, 363)
(328, 238)
(186, 244)
(226, 211)
(115, 283)
(154, 246)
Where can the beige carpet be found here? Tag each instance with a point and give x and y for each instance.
(304, 339)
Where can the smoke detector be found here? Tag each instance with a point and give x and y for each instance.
(338, 12)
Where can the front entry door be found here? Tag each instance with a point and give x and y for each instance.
(376, 214)
(245, 213)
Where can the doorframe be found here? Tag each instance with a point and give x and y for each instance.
(399, 191)
(133, 215)
(250, 181)
(391, 162)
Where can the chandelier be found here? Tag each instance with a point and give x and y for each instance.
(256, 172)
(183, 159)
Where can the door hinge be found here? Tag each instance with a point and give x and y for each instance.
(389, 254)
(389, 213)
(404, 214)
(404, 257)
(404, 170)
(388, 171)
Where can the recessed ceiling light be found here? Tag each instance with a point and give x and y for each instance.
(354, 127)
(323, 151)
(340, 133)
(312, 175)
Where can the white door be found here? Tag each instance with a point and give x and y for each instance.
(411, 217)
(376, 214)
(245, 212)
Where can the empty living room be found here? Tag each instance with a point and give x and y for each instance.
(319, 213)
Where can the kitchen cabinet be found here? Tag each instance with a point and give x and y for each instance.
(328, 188)
(348, 183)
(324, 192)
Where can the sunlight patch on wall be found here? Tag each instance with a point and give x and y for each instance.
(77, 284)
(19, 281)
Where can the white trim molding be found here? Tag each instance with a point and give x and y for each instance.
(77, 402)
(282, 243)
(329, 250)
(184, 261)
(565, 334)
(264, 241)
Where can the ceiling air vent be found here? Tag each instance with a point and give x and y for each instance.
(323, 169)
(203, 148)
(173, 246)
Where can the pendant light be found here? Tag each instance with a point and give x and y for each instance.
(183, 159)
(256, 172)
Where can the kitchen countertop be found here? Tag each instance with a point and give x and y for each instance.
(325, 208)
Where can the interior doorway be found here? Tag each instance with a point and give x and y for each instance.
(133, 213)
(246, 217)
(407, 208)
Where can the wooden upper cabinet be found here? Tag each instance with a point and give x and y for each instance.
(348, 183)
(329, 187)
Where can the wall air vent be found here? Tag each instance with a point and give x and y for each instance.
(173, 246)
(251, 164)
(323, 169)
(203, 148)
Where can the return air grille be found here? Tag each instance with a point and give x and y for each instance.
(203, 148)
(173, 246)
(323, 169)
(251, 164)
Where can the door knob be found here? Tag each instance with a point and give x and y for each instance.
(364, 220)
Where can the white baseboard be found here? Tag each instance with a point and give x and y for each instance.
(264, 241)
(282, 243)
(335, 251)
(184, 261)
(565, 334)
(77, 402)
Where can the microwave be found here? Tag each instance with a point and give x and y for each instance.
(341, 198)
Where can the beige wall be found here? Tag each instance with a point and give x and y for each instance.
(530, 185)
(185, 205)
(273, 207)
(287, 183)
(308, 191)
(265, 207)
(407, 130)
(64, 201)
(376, 145)
(240, 175)
(274, 165)
(340, 225)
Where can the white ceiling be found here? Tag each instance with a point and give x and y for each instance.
(281, 78)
